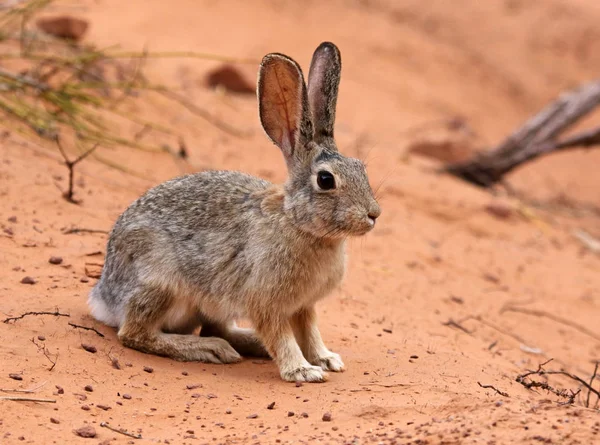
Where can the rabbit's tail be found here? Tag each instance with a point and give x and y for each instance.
(100, 309)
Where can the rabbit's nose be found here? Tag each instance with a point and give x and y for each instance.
(374, 213)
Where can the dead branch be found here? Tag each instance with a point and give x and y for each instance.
(87, 329)
(502, 393)
(120, 431)
(27, 399)
(23, 391)
(530, 384)
(83, 230)
(55, 313)
(537, 137)
(454, 324)
(587, 400)
(68, 195)
(550, 316)
(44, 350)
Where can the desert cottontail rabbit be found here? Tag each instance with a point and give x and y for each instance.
(212, 247)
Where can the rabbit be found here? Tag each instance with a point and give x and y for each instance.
(206, 249)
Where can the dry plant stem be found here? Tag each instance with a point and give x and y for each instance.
(71, 166)
(55, 313)
(27, 399)
(556, 318)
(120, 431)
(83, 230)
(502, 393)
(543, 385)
(87, 329)
(537, 137)
(23, 391)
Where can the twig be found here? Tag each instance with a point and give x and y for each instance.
(561, 393)
(27, 399)
(55, 313)
(87, 329)
(392, 385)
(23, 391)
(71, 166)
(46, 353)
(457, 325)
(83, 230)
(120, 431)
(556, 318)
(502, 393)
(587, 400)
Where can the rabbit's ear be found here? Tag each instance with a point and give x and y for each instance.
(283, 105)
(323, 83)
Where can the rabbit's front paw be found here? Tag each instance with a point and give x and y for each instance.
(330, 362)
(304, 373)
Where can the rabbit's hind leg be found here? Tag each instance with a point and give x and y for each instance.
(141, 330)
(243, 340)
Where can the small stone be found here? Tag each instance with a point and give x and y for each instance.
(252, 416)
(190, 431)
(103, 407)
(148, 369)
(15, 376)
(184, 373)
(387, 331)
(291, 414)
(126, 396)
(84, 279)
(28, 280)
(305, 415)
(87, 431)
(60, 389)
(198, 385)
(271, 405)
(53, 420)
(228, 411)
(89, 348)
(55, 260)
(327, 417)
(64, 27)
(12, 219)
(298, 384)
(414, 357)
(85, 407)
(89, 388)
(41, 338)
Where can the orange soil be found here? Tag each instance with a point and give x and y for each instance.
(436, 254)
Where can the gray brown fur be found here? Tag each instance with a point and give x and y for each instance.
(213, 247)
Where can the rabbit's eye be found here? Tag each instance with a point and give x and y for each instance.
(325, 180)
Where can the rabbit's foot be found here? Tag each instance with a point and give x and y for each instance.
(304, 373)
(329, 362)
(216, 350)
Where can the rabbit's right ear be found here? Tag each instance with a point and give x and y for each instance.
(283, 105)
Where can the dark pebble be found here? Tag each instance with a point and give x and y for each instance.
(126, 396)
(252, 416)
(15, 376)
(55, 260)
(290, 413)
(28, 280)
(53, 420)
(327, 417)
(271, 405)
(87, 431)
(305, 415)
(148, 369)
(41, 338)
(89, 348)
(89, 388)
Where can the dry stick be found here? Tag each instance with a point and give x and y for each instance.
(23, 391)
(120, 431)
(535, 138)
(587, 400)
(556, 318)
(27, 399)
(502, 393)
(454, 324)
(71, 166)
(55, 313)
(87, 329)
(83, 230)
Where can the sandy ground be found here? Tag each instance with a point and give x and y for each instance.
(528, 287)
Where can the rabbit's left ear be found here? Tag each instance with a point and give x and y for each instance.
(283, 106)
(323, 83)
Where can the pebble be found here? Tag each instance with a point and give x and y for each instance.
(89, 388)
(53, 420)
(89, 348)
(148, 369)
(327, 417)
(55, 260)
(28, 280)
(15, 376)
(87, 431)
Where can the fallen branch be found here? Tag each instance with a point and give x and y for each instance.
(120, 431)
(55, 313)
(537, 137)
(453, 324)
(87, 329)
(560, 393)
(27, 399)
(550, 316)
(502, 393)
(23, 391)
(83, 230)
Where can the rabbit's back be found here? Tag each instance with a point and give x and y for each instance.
(187, 232)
